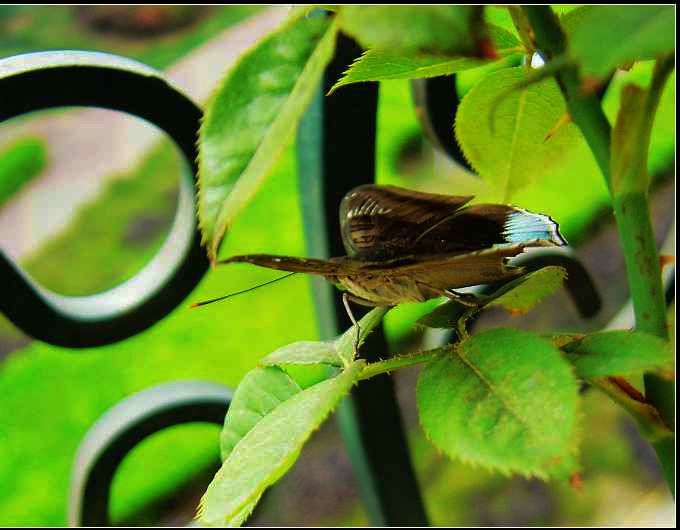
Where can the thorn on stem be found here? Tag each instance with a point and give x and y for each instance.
(564, 120)
(666, 259)
(576, 481)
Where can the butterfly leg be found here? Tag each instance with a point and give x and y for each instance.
(345, 301)
(466, 299)
(469, 300)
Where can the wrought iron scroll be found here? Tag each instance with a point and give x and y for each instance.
(46, 80)
(125, 426)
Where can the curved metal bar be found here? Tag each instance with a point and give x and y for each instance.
(126, 425)
(45, 80)
(436, 100)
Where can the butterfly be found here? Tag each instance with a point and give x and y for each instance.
(410, 246)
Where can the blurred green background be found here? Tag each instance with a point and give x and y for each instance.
(50, 397)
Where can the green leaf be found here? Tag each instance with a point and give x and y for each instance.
(381, 65)
(436, 30)
(304, 352)
(619, 353)
(610, 36)
(345, 343)
(572, 20)
(253, 115)
(522, 294)
(260, 392)
(649, 421)
(269, 449)
(444, 316)
(504, 399)
(336, 353)
(502, 129)
(519, 295)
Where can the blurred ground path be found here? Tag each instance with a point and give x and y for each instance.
(86, 148)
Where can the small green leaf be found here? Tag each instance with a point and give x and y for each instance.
(522, 294)
(260, 392)
(504, 399)
(519, 295)
(253, 115)
(436, 30)
(502, 129)
(444, 316)
(304, 352)
(610, 36)
(335, 353)
(649, 421)
(381, 65)
(345, 343)
(619, 353)
(269, 449)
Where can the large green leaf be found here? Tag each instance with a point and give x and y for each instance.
(381, 64)
(269, 449)
(253, 115)
(438, 30)
(337, 352)
(260, 392)
(619, 353)
(610, 36)
(502, 129)
(504, 399)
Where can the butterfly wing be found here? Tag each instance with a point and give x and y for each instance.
(386, 222)
(383, 222)
(332, 267)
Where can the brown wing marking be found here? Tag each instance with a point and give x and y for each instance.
(382, 222)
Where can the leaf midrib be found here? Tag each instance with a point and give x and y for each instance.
(498, 396)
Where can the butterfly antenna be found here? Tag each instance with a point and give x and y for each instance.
(206, 302)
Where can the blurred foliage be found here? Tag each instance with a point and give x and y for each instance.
(21, 161)
(26, 28)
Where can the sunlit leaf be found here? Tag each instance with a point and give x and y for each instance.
(506, 400)
(619, 353)
(260, 392)
(304, 352)
(610, 36)
(338, 352)
(502, 129)
(438, 30)
(253, 115)
(269, 449)
(382, 64)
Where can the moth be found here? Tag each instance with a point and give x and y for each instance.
(411, 246)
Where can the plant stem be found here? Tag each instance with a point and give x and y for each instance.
(585, 108)
(394, 363)
(630, 202)
(523, 27)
